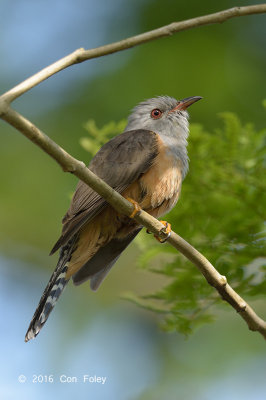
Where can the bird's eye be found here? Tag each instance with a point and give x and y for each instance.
(156, 113)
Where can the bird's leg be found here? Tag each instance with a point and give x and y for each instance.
(167, 230)
(136, 205)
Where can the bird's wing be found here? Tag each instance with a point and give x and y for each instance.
(97, 267)
(119, 163)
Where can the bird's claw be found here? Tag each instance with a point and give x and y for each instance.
(136, 205)
(166, 231)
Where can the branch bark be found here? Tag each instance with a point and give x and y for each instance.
(78, 168)
(81, 55)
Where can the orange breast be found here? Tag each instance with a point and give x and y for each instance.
(161, 184)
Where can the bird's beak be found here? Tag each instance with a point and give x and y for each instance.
(185, 103)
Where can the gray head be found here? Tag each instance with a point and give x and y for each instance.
(167, 117)
(163, 115)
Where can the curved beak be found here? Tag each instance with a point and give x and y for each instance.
(185, 103)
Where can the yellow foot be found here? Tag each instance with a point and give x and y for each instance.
(167, 230)
(136, 205)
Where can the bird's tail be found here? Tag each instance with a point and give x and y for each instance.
(51, 293)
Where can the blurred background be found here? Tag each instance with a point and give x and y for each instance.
(100, 334)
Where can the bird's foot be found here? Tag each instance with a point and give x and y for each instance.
(167, 231)
(136, 205)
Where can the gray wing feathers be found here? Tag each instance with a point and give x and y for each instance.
(97, 279)
(100, 264)
(119, 163)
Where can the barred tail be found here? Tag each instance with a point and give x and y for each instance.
(51, 293)
(48, 300)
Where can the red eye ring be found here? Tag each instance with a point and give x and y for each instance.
(156, 113)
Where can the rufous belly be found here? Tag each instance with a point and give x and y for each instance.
(161, 184)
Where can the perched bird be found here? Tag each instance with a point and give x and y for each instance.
(146, 163)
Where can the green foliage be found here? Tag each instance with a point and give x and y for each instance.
(220, 213)
(99, 136)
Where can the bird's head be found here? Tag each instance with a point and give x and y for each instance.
(163, 115)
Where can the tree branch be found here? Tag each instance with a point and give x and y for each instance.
(78, 168)
(81, 55)
(119, 203)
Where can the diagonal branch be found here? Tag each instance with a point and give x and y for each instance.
(78, 168)
(81, 55)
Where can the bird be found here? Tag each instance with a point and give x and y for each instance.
(146, 164)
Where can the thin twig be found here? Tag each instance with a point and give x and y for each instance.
(118, 202)
(81, 55)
